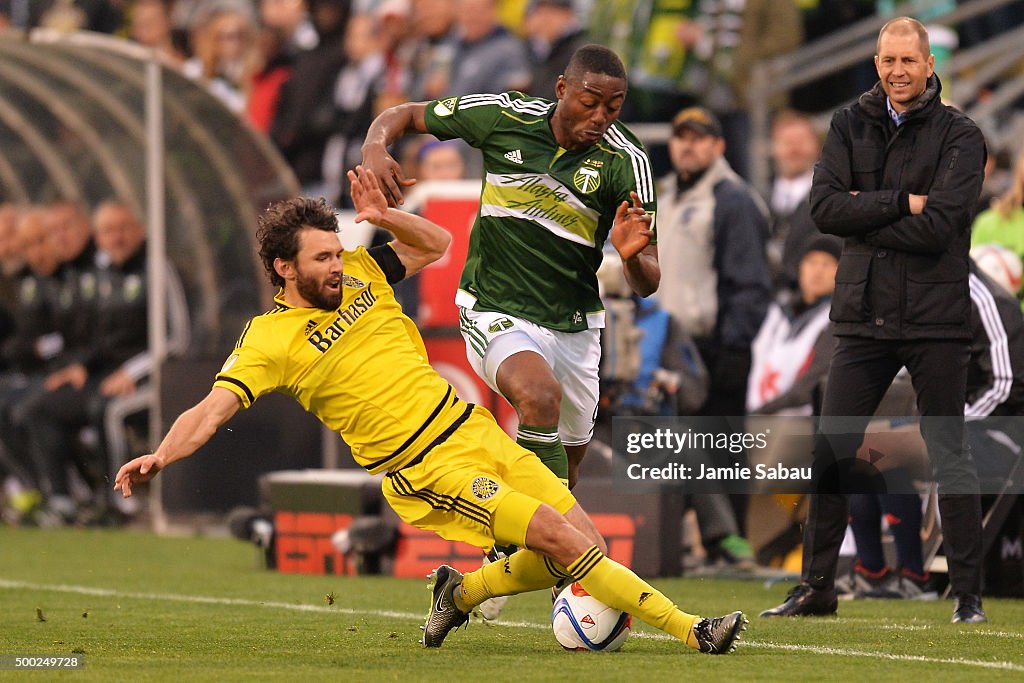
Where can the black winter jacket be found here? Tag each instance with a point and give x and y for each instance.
(901, 276)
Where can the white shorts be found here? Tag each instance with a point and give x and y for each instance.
(574, 358)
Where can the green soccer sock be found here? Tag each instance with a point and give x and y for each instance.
(618, 587)
(545, 443)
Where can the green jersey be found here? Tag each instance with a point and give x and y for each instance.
(545, 212)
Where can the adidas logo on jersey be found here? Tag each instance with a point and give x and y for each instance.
(515, 156)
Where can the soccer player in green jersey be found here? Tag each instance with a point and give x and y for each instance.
(338, 342)
(561, 178)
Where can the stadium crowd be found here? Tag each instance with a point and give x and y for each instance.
(740, 319)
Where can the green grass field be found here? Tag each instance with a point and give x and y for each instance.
(141, 607)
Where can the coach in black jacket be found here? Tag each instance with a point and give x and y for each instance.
(899, 179)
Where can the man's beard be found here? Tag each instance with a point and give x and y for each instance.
(314, 292)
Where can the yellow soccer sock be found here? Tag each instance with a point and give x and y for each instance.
(618, 587)
(520, 572)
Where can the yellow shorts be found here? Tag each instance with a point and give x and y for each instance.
(458, 487)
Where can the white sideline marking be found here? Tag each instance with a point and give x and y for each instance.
(906, 627)
(767, 645)
(204, 600)
(843, 652)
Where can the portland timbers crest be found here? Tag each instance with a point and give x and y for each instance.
(445, 107)
(586, 180)
(499, 325)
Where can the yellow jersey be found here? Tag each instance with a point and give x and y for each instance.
(361, 369)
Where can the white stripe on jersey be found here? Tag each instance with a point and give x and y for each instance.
(641, 164)
(535, 107)
(999, 352)
(514, 180)
(552, 226)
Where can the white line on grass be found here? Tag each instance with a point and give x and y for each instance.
(906, 627)
(767, 645)
(843, 652)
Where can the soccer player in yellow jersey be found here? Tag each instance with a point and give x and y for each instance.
(339, 343)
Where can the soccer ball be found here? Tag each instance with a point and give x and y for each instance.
(1000, 264)
(582, 622)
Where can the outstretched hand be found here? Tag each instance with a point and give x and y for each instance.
(137, 471)
(367, 197)
(388, 173)
(631, 229)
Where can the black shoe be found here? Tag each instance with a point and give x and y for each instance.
(967, 609)
(718, 636)
(805, 601)
(444, 613)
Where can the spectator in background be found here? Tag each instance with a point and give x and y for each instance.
(354, 99)
(712, 230)
(440, 160)
(304, 116)
(488, 58)
(149, 24)
(1003, 223)
(393, 29)
(225, 55)
(33, 350)
(291, 19)
(274, 70)
(36, 340)
(737, 36)
(286, 31)
(111, 363)
(554, 33)
(103, 16)
(795, 149)
(433, 50)
(186, 15)
(791, 352)
(70, 228)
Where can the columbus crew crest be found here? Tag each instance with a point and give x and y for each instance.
(484, 488)
(350, 281)
(586, 180)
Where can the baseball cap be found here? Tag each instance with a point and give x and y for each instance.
(826, 243)
(697, 119)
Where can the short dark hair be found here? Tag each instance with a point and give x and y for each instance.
(279, 226)
(596, 59)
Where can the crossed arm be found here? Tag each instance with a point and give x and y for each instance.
(893, 218)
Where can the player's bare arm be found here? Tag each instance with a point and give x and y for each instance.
(419, 241)
(387, 128)
(631, 236)
(190, 431)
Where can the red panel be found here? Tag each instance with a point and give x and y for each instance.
(420, 552)
(440, 280)
(448, 356)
